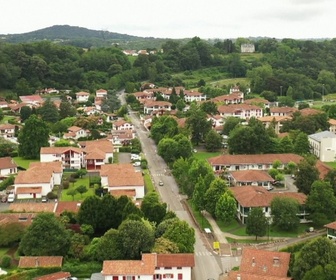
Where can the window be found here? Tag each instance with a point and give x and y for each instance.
(180, 276)
(115, 277)
(168, 267)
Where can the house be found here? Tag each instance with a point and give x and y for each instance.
(24, 219)
(151, 106)
(323, 145)
(70, 157)
(89, 110)
(232, 98)
(7, 166)
(282, 111)
(121, 138)
(33, 183)
(40, 261)
(251, 178)
(75, 132)
(31, 208)
(332, 127)
(247, 48)
(151, 266)
(247, 162)
(62, 275)
(217, 121)
(275, 121)
(331, 230)
(190, 96)
(122, 125)
(101, 93)
(32, 100)
(82, 96)
(262, 265)
(310, 112)
(97, 153)
(3, 104)
(116, 177)
(258, 101)
(7, 130)
(141, 96)
(248, 197)
(243, 111)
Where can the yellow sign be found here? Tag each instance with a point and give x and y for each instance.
(216, 245)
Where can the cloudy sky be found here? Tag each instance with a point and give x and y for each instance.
(298, 19)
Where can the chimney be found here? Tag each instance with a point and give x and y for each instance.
(276, 261)
(253, 261)
(265, 268)
(37, 263)
(238, 277)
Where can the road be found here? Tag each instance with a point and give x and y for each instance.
(208, 264)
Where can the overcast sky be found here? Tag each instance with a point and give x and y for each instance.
(298, 19)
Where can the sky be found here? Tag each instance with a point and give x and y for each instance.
(176, 19)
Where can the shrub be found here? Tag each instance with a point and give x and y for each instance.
(65, 185)
(52, 195)
(125, 149)
(6, 261)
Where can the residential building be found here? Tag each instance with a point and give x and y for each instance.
(123, 177)
(31, 208)
(7, 166)
(156, 106)
(75, 132)
(243, 111)
(247, 48)
(151, 266)
(332, 127)
(261, 265)
(232, 98)
(248, 197)
(323, 145)
(3, 104)
(122, 125)
(331, 230)
(275, 121)
(251, 162)
(282, 111)
(141, 96)
(101, 93)
(62, 275)
(70, 157)
(82, 96)
(7, 130)
(40, 261)
(33, 183)
(32, 100)
(258, 101)
(97, 153)
(190, 96)
(121, 138)
(251, 178)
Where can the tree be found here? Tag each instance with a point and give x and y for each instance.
(165, 246)
(36, 129)
(301, 144)
(151, 207)
(284, 210)
(66, 110)
(81, 189)
(198, 124)
(168, 149)
(306, 175)
(226, 207)
(72, 192)
(135, 237)
(209, 107)
(46, 236)
(319, 251)
(230, 124)
(10, 233)
(162, 127)
(182, 235)
(213, 141)
(257, 222)
(81, 172)
(215, 191)
(49, 111)
(25, 113)
(321, 203)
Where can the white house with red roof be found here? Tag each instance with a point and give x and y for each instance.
(151, 106)
(282, 111)
(122, 125)
(82, 96)
(121, 138)
(243, 111)
(123, 177)
(70, 157)
(259, 178)
(97, 153)
(32, 100)
(33, 183)
(331, 230)
(3, 104)
(276, 121)
(7, 166)
(151, 266)
(191, 95)
(141, 96)
(233, 98)
(75, 132)
(7, 130)
(101, 93)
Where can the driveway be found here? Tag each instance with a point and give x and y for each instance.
(124, 157)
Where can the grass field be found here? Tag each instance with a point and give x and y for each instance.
(206, 155)
(331, 164)
(149, 186)
(24, 163)
(80, 181)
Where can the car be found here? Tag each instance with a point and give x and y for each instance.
(160, 183)
(44, 199)
(11, 198)
(137, 163)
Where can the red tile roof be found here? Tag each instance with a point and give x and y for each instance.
(70, 206)
(331, 225)
(251, 175)
(234, 275)
(283, 110)
(40, 261)
(253, 196)
(62, 275)
(262, 262)
(7, 162)
(29, 190)
(175, 260)
(122, 174)
(310, 112)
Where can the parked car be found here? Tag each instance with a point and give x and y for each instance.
(11, 198)
(137, 163)
(160, 183)
(135, 157)
(44, 198)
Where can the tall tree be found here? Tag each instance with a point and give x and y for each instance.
(66, 110)
(226, 207)
(46, 236)
(301, 144)
(284, 210)
(198, 124)
(49, 112)
(230, 124)
(213, 141)
(32, 137)
(215, 191)
(306, 175)
(257, 223)
(152, 208)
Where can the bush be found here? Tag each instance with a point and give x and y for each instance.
(52, 195)
(6, 261)
(14, 154)
(125, 149)
(65, 185)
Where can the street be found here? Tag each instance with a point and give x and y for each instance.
(207, 264)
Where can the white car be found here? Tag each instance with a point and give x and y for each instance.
(11, 198)
(135, 157)
(137, 163)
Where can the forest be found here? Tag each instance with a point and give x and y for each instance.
(294, 68)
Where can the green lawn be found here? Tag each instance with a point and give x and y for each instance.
(80, 181)
(24, 163)
(7, 118)
(149, 186)
(3, 251)
(206, 155)
(331, 164)
(199, 217)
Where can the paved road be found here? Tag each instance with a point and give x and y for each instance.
(208, 264)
